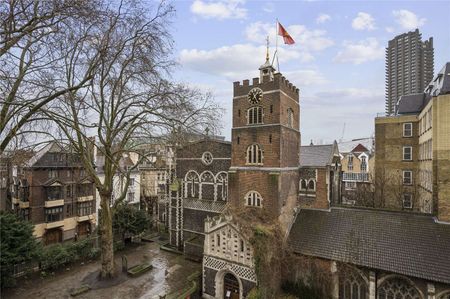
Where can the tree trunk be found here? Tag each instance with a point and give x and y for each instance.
(107, 249)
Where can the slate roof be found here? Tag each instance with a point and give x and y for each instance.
(441, 83)
(316, 155)
(412, 103)
(404, 243)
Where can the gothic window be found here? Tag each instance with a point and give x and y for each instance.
(191, 184)
(303, 184)
(363, 164)
(207, 185)
(253, 199)
(222, 185)
(254, 154)
(446, 295)
(312, 185)
(290, 118)
(352, 285)
(255, 115)
(397, 288)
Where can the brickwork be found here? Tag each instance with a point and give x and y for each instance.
(317, 198)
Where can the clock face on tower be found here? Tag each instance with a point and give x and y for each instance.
(255, 95)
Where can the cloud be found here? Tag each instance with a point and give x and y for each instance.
(306, 39)
(234, 62)
(269, 7)
(221, 10)
(389, 29)
(363, 21)
(365, 50)
(322, 18)
(407, 19)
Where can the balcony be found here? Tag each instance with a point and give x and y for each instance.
(355, 177)
(50, 203)
(50, 225)
(24, 204)
(85, 198)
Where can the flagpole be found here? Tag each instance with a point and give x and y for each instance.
(276, 46)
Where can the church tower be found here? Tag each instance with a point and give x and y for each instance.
(265, 144)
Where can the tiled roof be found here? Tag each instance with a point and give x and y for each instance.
(316, 155)
(404, 243)
(348, 146)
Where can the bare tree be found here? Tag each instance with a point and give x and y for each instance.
(31, 56)
(128, 100)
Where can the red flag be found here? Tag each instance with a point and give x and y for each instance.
(288, 40)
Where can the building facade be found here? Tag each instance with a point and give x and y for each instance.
(263, 178)
(412, 151)
(53, 192)
(320, 176)
(199, 191)
(358, 168)
(409, 66)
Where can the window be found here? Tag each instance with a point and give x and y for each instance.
(54, 214)
(270, 138)
(24, 214)
(53, 173)
(254, 154)
(303, 184)
(54, 193)
(407, 201)
(352, 285)
(290, 118)
(69, 210)
(130, 196)
(85, 208)
(407, 153)
(311, 185)
(218, 239)
(407, 129)
(350, 162)
(239, 113)
(350, 185)
(207, 158)
(238, 140)
(407, 177)
(131, 182)
(253, 199)
(397, 288)
(271, 108)
(242, 246)
(255, 115)
(363, 164)
(69, 191)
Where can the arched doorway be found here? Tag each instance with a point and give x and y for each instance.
(53, 236)
(230, 287)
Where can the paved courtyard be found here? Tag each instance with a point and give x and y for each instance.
(168, 274)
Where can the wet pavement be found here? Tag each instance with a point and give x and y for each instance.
(169, 274)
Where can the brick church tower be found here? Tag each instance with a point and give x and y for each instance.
(265, 144)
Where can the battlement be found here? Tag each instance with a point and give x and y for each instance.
(279, 82)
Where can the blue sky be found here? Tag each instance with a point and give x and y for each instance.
(337, 61)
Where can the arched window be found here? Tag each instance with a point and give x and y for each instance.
(397, 288)
(290, 118)
(445, 295)
(254, 154)
(312, 185)
(253, 199)
(191, 181)
(303, 184)
(352, 285)
(207, 181)
(255, 115)
(222, 185)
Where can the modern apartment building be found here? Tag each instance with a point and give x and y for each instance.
(53, 191)
(409, 66)
(412, 169)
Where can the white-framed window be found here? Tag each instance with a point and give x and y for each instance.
(254, 154)
(290, 118)
(131, 182)
(407, 130)
(255, 115)
(407, 177)
(350, 162)
(253, 199)
(303, 184)
(363, 164)
(407, 153)
(407, 201)
(312, 185)
(53, 173)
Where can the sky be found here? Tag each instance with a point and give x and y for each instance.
(337, 60)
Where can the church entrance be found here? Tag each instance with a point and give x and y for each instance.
(230, 287)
